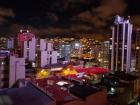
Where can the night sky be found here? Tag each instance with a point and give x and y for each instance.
(44, 17)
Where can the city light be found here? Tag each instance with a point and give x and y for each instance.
(42, 74)
(57, 65)
(137, 48)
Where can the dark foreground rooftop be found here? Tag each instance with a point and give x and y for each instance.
(125, 76)
(28, 95)
(83, 91)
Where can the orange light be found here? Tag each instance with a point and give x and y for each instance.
(69, 71)
(42, 74)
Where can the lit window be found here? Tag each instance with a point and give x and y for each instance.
(2, 63)
(137, 48)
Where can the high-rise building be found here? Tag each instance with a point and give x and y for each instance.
(3, 42)
(29, 49)
(27, 45)
(2, 73)
(48, 57)
(16, 69)
(137, 47)
(32, 49)
(47, 54)
(65, 52)
(43, 44)
(104, 54)
(11, 69)
(10, 43)
(137, 54)
(121, 45)
(76, 49)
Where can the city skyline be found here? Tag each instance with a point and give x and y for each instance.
(69, 70)
(64, 17)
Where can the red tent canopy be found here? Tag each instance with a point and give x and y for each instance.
(93, 70)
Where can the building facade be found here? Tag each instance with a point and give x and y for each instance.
(137, 47)
(65, 52)
(121, 45)
(10, 43)
(104, 54)
(47, 54)
(16, 69)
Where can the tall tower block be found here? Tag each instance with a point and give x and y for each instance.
(121, 45)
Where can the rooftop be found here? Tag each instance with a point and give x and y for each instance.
(83, 91)
(125, 76)
(28, 95)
